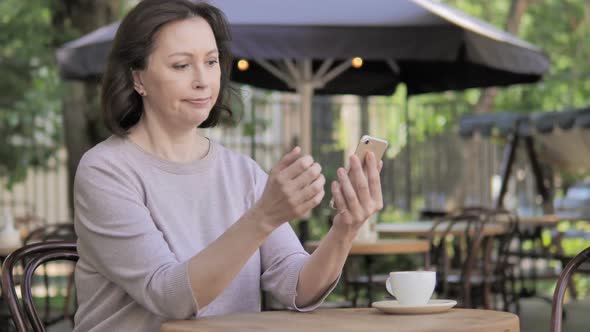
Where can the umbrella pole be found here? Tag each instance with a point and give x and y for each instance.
(300, 76)
(305, 90)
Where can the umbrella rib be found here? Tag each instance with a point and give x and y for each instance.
(292, 70)
(394, 66)
(334, 72)
(323, 69)
(276, 72)
(307, 70)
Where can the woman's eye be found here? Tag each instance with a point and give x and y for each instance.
(180, 66)
(212, 62)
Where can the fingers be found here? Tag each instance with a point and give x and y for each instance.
(313, 202)
(357, 192)
(340, 203)
(337, 196)
(349, 194)
(374, 180)
(296, 168)
(301, 181)
(308, 192)
(288, 159)
(359, 182)
(308, 176)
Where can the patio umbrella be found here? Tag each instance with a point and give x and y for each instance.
(308, 46)
(563, 136)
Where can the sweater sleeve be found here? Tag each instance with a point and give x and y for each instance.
(283, 258)
(117, 237)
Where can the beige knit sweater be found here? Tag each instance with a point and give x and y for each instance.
(139, 219)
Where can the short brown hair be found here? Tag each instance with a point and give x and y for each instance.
(121, 105)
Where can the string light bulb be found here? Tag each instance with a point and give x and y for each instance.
(243, 65)
(357, 62)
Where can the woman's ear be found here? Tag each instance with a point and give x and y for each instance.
(138, 82)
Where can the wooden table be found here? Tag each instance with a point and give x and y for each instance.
(544, 220)
(344, 320)
(382, 247)
(423, 229)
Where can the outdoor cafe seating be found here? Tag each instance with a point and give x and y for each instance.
(469, 249)
(472, 251)
(25, 315)
(577, 263)
(47, 312)
(479, 266)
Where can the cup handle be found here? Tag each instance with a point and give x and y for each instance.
(388, 286)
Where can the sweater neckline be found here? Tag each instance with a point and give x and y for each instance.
(169, 166)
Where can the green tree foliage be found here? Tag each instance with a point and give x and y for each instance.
(559, 27)
(30, 89)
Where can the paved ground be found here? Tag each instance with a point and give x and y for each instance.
(536, 316)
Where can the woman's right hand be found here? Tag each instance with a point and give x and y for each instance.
(295, 186)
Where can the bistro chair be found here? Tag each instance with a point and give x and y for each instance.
(25, 316)
(562, 283)
(54, 232)
(472, 266)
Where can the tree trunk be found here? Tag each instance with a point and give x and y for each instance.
(485, 104)
(80, 116)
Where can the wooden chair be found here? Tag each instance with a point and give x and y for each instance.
(478, 265)
(562, 284)
(33, 255)
(55, 232)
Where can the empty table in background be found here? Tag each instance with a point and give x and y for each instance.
(423, 229)
(382, 247)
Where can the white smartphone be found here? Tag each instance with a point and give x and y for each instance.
(367, 144)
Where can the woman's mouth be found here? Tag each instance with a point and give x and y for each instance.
(199, 101)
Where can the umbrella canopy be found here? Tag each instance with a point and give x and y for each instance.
(307, 46)
(428, 45)
(527, 124)
(563, 136)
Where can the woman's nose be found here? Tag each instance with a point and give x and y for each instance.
(199, 78)
(197, 84)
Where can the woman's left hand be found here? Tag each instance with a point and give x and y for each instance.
(357, 196)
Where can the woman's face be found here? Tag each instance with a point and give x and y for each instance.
(182, 78)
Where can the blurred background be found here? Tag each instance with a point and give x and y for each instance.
(447, 149)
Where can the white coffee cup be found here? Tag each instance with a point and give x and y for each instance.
(411, 287)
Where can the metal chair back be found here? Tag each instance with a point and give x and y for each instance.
(33, 255)
(560, 288)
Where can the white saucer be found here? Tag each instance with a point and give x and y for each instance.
(433, 306)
